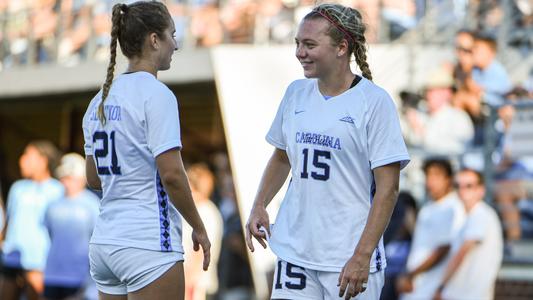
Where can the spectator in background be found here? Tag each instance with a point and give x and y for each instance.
(206, 27)
(26, 241)
(202, 285)
(521, 37)
(70, 222)
(510, 193)
(44, 21)
(101, 27)
(443, 130)
(238, 19)
(488, 73)
(234, 274)
(489, 82)
(273, 23)
(478, 249)
(371, 13)
(76, 31)
(178, 11)
(462, 71)
(397, 239)
(400, 15)
(437, 225)
(17, 31)
(489, 14)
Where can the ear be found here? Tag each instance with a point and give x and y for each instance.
(342, 48)
(154, 40)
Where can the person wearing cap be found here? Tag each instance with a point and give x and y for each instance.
(443, 130)
(70, 222)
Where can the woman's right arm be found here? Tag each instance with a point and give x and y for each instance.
(174, 179)
(274, 176)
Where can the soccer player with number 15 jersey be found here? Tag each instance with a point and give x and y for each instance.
(338, 135)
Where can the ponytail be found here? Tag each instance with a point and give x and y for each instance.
(118, 10)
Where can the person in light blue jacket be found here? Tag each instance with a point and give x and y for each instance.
(26, 243)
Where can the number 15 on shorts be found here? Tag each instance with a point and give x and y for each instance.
(289, 276)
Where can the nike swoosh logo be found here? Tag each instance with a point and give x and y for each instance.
(299, 112)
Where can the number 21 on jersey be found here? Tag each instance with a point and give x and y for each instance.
(101, 154)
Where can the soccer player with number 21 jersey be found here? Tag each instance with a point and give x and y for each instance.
(132, 147)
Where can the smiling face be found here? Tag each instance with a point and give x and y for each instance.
(314, 48)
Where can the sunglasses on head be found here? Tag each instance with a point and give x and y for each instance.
(463, 49)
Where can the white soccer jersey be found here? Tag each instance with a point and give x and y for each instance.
(142, 122)
(333, 145)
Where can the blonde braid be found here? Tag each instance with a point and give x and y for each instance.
(116, 20)
(360, 57)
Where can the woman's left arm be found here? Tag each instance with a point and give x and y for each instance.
(93, 181)
(356, 270)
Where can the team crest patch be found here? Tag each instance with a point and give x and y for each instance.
(347, 119)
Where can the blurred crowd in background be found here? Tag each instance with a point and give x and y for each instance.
(463, 117)
(51, 215)
(70, 31)
(464, 106)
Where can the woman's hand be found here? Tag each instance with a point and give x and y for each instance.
(200, 239)
(354, 276)
(258, 226)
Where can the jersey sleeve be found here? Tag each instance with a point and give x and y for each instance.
(86, 125)
(88, 145)
(275, 135)
(385, 140)
(162, 122)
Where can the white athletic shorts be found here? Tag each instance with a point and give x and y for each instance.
(119, 270)
(296, 283)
